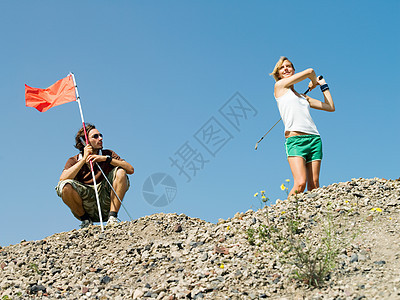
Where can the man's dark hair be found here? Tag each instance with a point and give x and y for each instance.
(81, 133)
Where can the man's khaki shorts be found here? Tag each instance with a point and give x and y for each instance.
(88, 195)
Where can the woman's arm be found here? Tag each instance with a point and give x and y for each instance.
(282, 85)
(327, 105)
(296, 78)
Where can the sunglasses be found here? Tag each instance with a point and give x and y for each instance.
(97, 135)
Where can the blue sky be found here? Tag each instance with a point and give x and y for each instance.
(152, 75)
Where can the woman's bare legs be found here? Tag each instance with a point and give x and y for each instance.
(299, 172)
(313, 169)
(304, 174)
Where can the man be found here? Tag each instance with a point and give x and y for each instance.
(76, 186)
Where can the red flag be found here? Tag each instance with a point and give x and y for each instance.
(63, 91)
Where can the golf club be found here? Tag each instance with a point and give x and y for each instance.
(123, 206)
(305, 93)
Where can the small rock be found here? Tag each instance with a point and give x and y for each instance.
(37, 288)
(198, 296)
(221, 250)
(358, 195)
(178, 228)
(238, 273)
(138, 293)
(354, 258)
(362, 257)
(105, 280)
(147, 294)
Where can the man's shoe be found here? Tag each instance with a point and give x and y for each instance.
(86, 223)
(112, 221)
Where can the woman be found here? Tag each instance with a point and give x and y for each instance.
(303, 143)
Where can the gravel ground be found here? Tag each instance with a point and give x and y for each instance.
(248, 256)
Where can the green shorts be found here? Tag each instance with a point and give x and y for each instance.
(88, 195)
(308, 147)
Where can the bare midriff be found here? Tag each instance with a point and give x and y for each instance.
(294, 133)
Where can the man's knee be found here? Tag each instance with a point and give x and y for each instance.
(120, 174)
(121, 177)
(67, 189)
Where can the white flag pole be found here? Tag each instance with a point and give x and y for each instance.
(87, 142)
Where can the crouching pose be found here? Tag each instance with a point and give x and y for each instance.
(303, 142)
(76, 186)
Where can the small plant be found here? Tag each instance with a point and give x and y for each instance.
(284, 187)
(377, 209)
(314, 261)
(263, 199)
(35, 268)
(312, 258)
(250, 236)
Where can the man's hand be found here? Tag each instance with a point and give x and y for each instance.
(88, 150)
(96, 158)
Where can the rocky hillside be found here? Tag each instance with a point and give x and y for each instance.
(249, 256)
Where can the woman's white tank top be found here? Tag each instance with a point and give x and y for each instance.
(295, 113)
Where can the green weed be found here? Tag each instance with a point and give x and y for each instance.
(35, 268)
(312, 254)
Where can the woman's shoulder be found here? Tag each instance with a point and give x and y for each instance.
(280, 92)
(282, 85)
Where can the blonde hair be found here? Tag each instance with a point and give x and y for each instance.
(275, 72)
